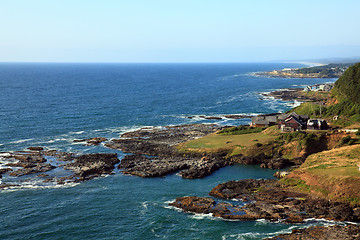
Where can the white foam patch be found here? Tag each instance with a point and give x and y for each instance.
(22, 140)
(201, 216)
(79, 132)
(144, 205)
(34, 186)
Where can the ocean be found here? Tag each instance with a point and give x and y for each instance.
(51, 104)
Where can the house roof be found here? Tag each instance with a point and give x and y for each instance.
(296, 120)
(264, 119)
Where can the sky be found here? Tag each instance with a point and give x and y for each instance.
(178, 30)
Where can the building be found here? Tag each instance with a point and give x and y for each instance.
(317, 124)
(322, 87)
(264, 121)
(292, 122)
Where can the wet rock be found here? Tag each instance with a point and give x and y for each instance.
(208, 205)
(200, 169)
(61, 156)
(160, 141)
(268, 199)
(213, 118)
(88, 166)
(36, 148)
(92, 141)
(242, 189)
(40, 167)
(237, 116)
(5, 170)
(349, 232)
(5, 185)
(143, 166)
(31, 157)
(265, 161)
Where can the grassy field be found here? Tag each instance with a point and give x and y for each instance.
(334, 173)
(214, 142)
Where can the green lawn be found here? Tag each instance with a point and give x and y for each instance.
(213, 142)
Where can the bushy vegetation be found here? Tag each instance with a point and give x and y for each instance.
(347, 87)
(347, 141)
(345, 108)
(240, 130)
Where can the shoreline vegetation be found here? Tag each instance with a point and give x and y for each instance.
(324, 165)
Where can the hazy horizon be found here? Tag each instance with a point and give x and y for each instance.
(184, 31)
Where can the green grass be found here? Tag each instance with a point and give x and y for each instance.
(240, 130)
(331, 171)
(214, 142)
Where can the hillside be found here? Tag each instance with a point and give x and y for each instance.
(343, 103)
(347, 87)
(334, 174)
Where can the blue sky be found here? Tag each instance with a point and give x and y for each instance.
(177, 30)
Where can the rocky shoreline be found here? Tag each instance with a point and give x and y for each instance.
(349, 232)
(153, 152)
(161, 144)
(266, 199)
(45, 165)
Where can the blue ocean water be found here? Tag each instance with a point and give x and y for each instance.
(50, 105)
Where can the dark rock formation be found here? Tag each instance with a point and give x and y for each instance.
(82, 167)
(4, 170)
(160, 141)
(36, 148)
(61, 156)
(265, 161)
(237, 116)
(92, 141)
(31, 169)
(29, 157)
(267, 199)
(209, 205)
(143, 166)
(349, 232)
(88, 166)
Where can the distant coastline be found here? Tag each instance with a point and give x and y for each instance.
(318, 70)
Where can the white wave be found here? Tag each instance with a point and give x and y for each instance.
(60, 139)
(200, 216)
(144, 205)
(173, 208)
(35, 186)
(22, 140)
(79, 132)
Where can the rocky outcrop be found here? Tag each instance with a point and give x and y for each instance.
(35, 148)
(31, 169)
(268, 199)
(143, 166)
(83, 167)
(160, 141)
(266, 161)
(349, 232)
(92, 141)
(208, 205)
(92, 165)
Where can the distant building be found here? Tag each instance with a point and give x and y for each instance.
(317, 124)
(307, 89)
(322, 87)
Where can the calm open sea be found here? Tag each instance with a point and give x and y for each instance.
(50, 105)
